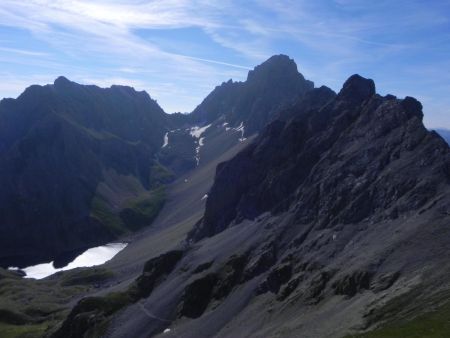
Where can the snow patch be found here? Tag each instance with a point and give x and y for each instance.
(197, 132)
(205, 197)
(166, 140)
(91, 257)
(197, 155)
(166, 137)
(166, 330)
(241, 128)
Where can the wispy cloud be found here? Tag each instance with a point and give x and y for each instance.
(214, 62)
(22, 51)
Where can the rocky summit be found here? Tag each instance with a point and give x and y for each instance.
(278, 210)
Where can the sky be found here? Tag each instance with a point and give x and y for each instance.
(179, 50)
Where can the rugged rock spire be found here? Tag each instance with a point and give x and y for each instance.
(357, 88)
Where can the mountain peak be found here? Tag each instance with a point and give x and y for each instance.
(62, 81)
(412, 107)
(279, 59)
(275, 66)
(357, 88)
(269, 86)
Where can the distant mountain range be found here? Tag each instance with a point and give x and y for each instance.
(274, 209)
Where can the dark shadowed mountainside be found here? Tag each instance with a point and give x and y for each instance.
(72, 158)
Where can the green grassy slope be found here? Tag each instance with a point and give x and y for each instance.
(34, 308)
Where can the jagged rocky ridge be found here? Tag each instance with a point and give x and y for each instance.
(340, 164)
(334, 212)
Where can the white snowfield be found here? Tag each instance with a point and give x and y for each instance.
(197, 132)
(166, 140)
(225, 125)
(241, 128)
(91, 257)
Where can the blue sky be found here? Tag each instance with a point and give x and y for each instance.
(179, 50)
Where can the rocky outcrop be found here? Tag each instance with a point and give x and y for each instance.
(276, 278)
(197, 296)
(155, 270)
(384, 281)
(229, 276)
(215, 285)
(260, 261)
(350, 284)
